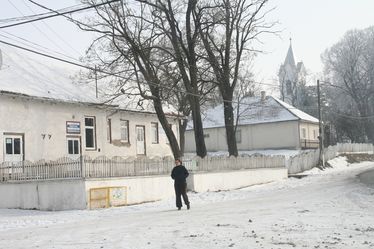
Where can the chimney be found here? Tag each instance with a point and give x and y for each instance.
(263, 96)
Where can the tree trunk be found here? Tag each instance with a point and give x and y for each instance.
(198, 126)
(168, 131)
(230, 129)
(182, 132)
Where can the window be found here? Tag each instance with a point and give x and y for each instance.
(13, 146)
(90, 132)
(238, 136)
(124, 131)
(73, 146)
(315, 134)
(303, 133)
(206, 135)
(154, 130)
(109, 130)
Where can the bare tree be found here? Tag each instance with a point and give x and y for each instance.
(349, 69)
(177, 21)
(130, 45)
(227, 28)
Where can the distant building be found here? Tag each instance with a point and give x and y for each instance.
(292, 79)
(263, 123)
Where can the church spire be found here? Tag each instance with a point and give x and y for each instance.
(290, 60)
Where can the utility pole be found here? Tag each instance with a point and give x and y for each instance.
(97, 95)
(320, 137)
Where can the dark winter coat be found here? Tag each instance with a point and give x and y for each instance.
(179, 174)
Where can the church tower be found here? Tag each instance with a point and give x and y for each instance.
(292, 78)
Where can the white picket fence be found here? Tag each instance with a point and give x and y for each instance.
(310, 159)
(102, 167)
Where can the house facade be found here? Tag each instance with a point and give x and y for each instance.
(263, 123)
(36, 128)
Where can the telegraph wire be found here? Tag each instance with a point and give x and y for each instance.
(40, 31)
(58, 14)
(54, 32)
(33, 45)
(29, 17)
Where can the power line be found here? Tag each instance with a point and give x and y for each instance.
(54, 32)
(33, 45)
(40, 31)
(59, 14)
(29, 17)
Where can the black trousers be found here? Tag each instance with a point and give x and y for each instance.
(181, 190)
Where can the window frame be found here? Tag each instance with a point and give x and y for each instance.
(127, 125)
(109, 130)
(73, 139)
(303, 133)
(93, 128)
(154, 135)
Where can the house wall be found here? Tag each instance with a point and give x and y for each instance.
(279, 135)
(43, 126)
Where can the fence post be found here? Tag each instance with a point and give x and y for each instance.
(83, 167)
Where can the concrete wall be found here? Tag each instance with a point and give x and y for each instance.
(44, 195)
(139, 189)
(279, 135)
(74, 194)
(32, 118)
(203, 182)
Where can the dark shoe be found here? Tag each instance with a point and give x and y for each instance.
(179, 208)
(188, 206)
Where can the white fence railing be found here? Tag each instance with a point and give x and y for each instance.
(102, 167)
(310, 159)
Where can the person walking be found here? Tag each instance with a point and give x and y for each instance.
(179, 174)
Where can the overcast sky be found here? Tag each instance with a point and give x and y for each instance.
(313, 25)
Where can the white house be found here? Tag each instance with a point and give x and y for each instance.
(43, 115)
(262, 123)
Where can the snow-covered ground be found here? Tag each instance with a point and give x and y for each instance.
(329, 209)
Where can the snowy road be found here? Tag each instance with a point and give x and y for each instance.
(329, 210)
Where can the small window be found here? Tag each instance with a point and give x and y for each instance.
(8, 146)
(73, 146)
(13, 146)
(154, 130)
(124, 131)
(109, 130)
(303, 133)
(206, 135)
(238, 136)
(315, 134)
(90, 132)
